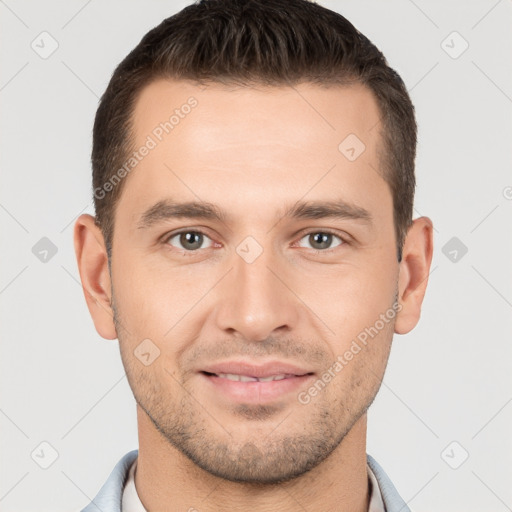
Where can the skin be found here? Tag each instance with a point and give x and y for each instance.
(253, 151)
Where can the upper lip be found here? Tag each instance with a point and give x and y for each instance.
(264, 370)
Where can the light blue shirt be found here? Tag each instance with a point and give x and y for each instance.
(110, 496)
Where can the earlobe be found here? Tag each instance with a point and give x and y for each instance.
(414, 272)
(92, 263)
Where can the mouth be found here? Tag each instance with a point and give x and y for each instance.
(250, 378)
(276, 370)
(250, 388)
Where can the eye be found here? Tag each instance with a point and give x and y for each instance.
(189, 240)
(321, 240)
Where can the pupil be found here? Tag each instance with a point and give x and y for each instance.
(322, 239)
(188, 238)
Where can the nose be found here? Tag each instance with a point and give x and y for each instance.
(255, 300)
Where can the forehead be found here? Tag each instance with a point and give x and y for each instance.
(257, 114)
(207, 141)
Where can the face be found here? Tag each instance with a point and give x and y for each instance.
(248, 242)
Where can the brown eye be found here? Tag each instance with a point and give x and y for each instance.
(321, 240)
(189, 240)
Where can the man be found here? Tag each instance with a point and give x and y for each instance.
(253, 251)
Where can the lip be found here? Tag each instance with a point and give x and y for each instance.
(255, 392)
(264, 370)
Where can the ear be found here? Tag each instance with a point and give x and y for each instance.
(91, 255)
(413, 273)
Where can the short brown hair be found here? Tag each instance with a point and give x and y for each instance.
(243, 42)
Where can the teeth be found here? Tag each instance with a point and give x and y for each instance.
(268, 379)
(246, 378)
(275, 377)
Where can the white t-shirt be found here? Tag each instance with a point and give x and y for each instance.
(131, 501)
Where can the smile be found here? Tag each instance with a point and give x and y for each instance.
(248, 389)
(248, 378)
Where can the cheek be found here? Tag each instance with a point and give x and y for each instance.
(362, 361)
(350, 298)
(138, 297)
(158, 301)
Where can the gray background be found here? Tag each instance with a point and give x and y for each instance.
(447, 390)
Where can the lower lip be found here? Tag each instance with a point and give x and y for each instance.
(256, 391)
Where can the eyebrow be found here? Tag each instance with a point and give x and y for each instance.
(302, 210)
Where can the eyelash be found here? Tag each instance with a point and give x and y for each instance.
(166, 238)
(324, 232)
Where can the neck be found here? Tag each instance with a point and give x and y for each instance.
(167, 481)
